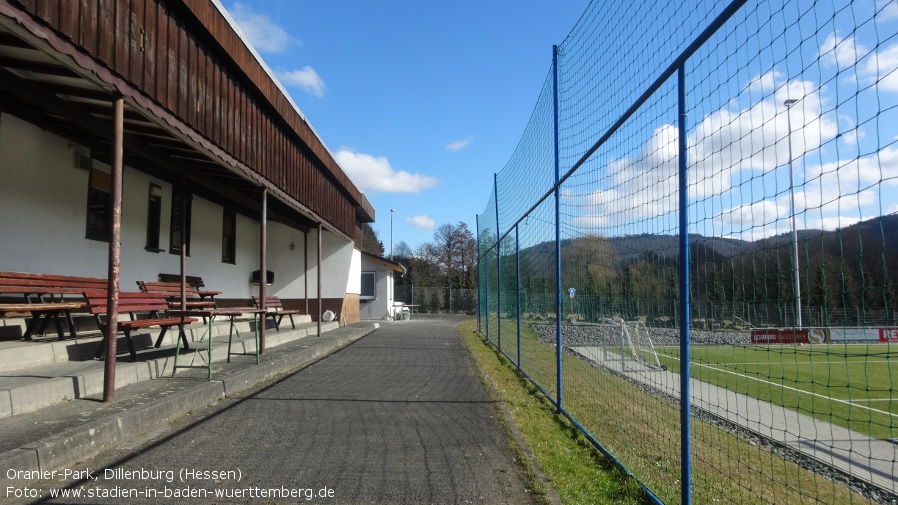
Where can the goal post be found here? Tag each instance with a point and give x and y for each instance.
(632, 341)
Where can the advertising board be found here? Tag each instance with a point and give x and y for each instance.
(853, 334)
(888, 335)
(789, 336)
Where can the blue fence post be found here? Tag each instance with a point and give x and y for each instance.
(558, 341)
(479, 278)
(517, 267)
(498, 263)
(686, 464)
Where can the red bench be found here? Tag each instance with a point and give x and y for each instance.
(275, 310)
(192, 281)
(134, 303)
(171, 291)
(46, 296)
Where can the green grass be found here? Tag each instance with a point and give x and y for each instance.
(848, 385)
(642, 431)
(577, 471)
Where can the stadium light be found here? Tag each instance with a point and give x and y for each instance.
(795, 277)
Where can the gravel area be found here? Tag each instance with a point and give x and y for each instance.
(609, 334)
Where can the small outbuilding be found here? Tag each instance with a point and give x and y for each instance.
(377, 287)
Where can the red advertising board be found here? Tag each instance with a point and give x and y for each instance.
(888, 335)
(779, 336)
(789, 336)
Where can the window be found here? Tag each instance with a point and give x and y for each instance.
(98, 206)
(369, 283)
(154, 218)
(177, 219)
(229, 237)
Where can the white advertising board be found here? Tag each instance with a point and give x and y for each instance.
(853, 334)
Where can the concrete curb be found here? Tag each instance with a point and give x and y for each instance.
(78, 444)
(30, 397)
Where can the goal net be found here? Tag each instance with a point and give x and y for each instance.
(635, 343)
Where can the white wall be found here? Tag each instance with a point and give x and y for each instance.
(354, 283)
(43, 204)
(381, 306)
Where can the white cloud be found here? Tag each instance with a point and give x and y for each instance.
(886, 10)
(881, 67)
(459, 144)
(375, 174)
(262, 33)
(841, 52)
(591, 221)
(726, 149)
(306, 78)
(422, 221)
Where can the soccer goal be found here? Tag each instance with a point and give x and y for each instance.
(635, 343)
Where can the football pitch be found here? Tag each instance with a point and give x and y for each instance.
(851, 385)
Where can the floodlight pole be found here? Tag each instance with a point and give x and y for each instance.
(796, 283)
(392, 211)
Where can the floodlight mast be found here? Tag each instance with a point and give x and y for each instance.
(796, 283)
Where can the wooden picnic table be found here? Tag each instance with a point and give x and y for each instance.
(43, 311)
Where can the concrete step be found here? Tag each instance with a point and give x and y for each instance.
(57, 371)
(62, 435)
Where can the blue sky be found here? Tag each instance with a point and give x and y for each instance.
(420, 102)
(838, 62)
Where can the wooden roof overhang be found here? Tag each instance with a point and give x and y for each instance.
(199, 106)
(392, 265)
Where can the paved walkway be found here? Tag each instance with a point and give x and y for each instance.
(872, 460)
(398, 416)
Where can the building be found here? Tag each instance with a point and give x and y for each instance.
(216, 156)
(377, 287)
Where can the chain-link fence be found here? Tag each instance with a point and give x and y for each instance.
(435, 300)
(692, 251)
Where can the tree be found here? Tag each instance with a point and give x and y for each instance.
(454, 251)
(369, 241)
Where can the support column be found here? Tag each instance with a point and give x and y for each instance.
(115, 249)
(558, 340)
(479, 279)
(182, 189)
(517, 267)
(320, 311)
(305, 259)
(498, 263)
(263, 268)
(685, 461)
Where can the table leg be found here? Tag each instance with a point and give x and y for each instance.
(208, 364)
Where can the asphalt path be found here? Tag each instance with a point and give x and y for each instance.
(399, 416)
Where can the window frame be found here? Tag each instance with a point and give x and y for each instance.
(174, 243)
(99, 194)
(229, 236)
(154, 218)
(373, 282)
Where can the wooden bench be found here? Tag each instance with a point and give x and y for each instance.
(172, 292)
(134, 303)
(275, 310)
(46, 296)
(194, 282)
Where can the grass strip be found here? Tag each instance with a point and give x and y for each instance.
(577, 471)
